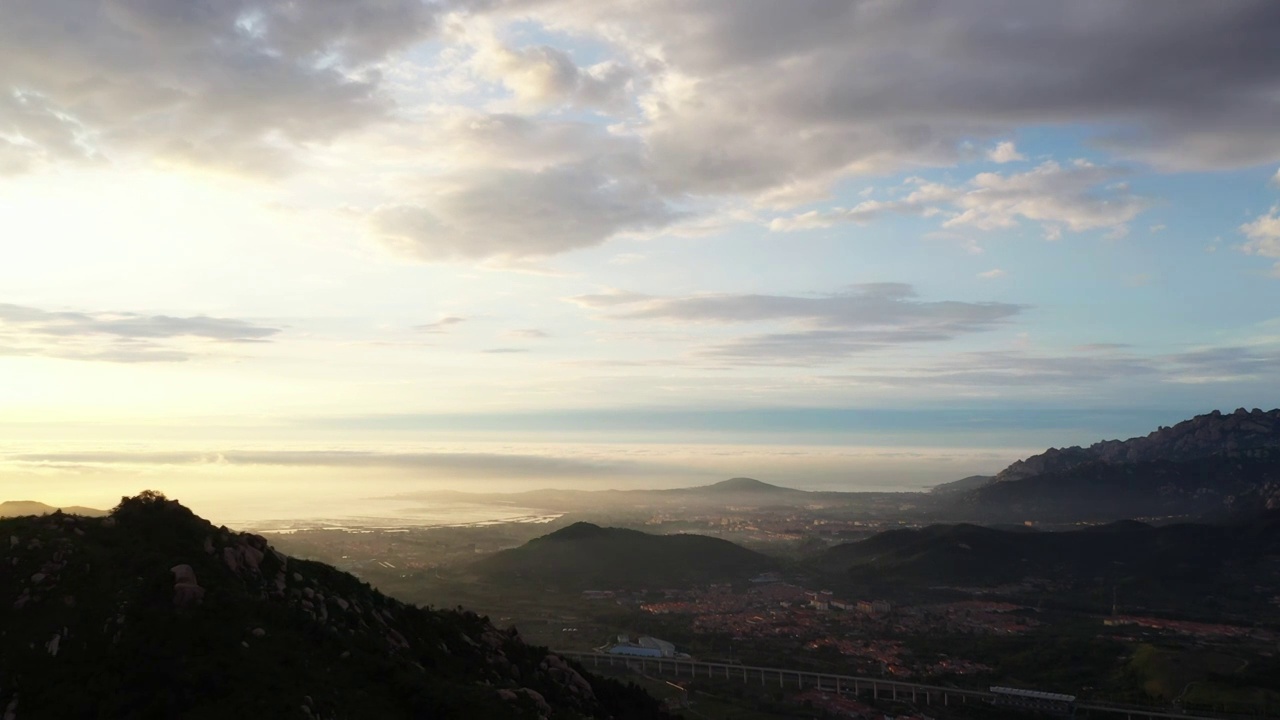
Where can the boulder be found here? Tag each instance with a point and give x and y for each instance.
(186, 591)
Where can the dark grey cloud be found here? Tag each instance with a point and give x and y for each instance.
(757, 95)
(117, 337)
(233, 83)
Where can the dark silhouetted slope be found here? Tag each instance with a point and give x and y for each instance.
(1100, 491)
(1188, 562)
(962, 485)
(584, 555)
(155, 613)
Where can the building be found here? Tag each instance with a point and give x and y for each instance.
(874, 607)
(643, 646)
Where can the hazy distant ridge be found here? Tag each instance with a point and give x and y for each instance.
(19, 508)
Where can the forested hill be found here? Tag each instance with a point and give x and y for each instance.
(584, 556)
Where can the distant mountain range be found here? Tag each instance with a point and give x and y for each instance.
(155, 613)
(18, 508)
(584, 556)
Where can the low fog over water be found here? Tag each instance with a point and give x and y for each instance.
(260, 485)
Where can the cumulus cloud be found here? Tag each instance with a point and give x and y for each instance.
(1005, 152)
(118, 337)
(1263, 234)
(756, 95)
(1080, 196)
(831, 327)
(546, 76)
(992, 274)
(1264, 237)
(236, 84)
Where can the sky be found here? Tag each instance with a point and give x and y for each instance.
(256, 245)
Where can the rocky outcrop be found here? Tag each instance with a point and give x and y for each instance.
(161, 595)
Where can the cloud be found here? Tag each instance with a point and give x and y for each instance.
(757, 96)
(1263, 234)
(504, 351)
(1094, 370)
(609, 298)
(1264, 237)
(1100, 347)
(440, 326)
(528, 334)
(118, 337)
(1005, 152)
(546, 76)
(513, 213)
(239, 84)
(1003, 368)
(1079, 197)
(992, 274)
(1226, 364)
(863, 318)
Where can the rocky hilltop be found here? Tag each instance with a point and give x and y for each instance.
(1239, 434)
(152, 612)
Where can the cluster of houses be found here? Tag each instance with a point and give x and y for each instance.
(824, 600)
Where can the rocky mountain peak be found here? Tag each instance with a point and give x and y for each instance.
(1242, 433)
